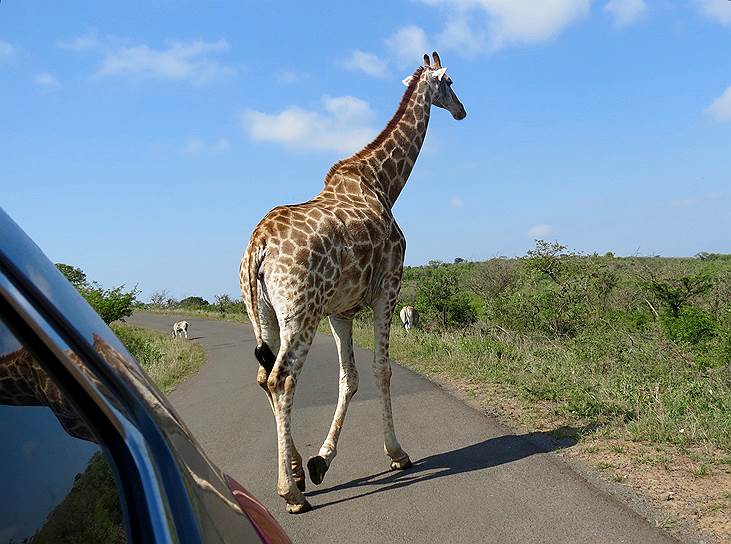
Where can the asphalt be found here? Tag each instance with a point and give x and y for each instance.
(473, 480)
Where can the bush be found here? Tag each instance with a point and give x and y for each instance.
(675, 293)
(691, 326)
(225, 304)
(193, 302)
(110, 304)
(439, 298)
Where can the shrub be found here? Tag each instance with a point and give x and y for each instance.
(110, 304)
(674, 294)
(439, 296)
(691, 326)
(193, 302)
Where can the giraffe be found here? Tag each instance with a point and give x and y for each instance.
(24, 382)
(331, 256)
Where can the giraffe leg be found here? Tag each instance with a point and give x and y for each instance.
(382, 311)
(281, 384)
(270, 335)
(342, 329)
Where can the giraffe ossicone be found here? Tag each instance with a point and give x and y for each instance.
(331, 256)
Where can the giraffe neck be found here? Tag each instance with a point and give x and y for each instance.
(386, 163)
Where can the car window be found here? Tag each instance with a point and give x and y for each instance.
(57, 485)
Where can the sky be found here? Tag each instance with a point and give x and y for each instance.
(143, 141)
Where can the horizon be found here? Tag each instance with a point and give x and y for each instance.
(143, 145)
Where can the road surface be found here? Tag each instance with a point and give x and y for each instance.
(472, 480)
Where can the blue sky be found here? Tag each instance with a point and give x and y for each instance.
(142, 141)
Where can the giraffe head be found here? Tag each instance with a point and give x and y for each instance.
(443, 95)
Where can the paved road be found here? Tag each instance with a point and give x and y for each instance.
(472, 480)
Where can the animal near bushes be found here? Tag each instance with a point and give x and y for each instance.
(641, 343)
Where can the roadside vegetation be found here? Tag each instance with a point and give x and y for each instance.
(637, 345)
(91, 511)
(640, 346)
(168, 361)
(629, 358)
(223, 306)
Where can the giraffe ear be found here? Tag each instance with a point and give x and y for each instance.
(407, 80)
(439, 74)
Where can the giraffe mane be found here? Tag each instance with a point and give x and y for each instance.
(385, 132)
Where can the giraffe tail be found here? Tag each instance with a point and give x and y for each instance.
(262, 351)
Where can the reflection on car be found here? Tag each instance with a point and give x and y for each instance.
(92, 451)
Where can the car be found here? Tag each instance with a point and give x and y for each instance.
(91, 449)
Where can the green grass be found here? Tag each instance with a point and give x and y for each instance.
(168, 361)
(636, 386)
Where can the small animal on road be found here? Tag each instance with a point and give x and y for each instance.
(180, 328)
(331, 256)
(409, 317)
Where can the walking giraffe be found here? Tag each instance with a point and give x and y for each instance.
(332, 256)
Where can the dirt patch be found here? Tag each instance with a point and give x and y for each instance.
(685, 491)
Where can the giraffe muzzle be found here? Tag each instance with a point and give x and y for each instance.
(460, 114)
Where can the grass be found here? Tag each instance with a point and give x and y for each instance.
(634, 387)
(631, 385)
(168, 361)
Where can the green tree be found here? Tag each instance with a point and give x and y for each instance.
(110, 304)
(439, 294)
(676, 293)
(76, 276)
(194, 302)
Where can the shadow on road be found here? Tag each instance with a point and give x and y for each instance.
(486, 454)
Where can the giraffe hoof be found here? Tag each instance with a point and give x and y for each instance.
(401, 464)
(317, 467)
(301, 484)
(299, 508)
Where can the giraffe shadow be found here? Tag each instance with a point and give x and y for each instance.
(482, 455)
(196, 337)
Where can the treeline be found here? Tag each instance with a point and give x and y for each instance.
(223, 304)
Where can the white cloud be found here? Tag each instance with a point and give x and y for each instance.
(408, 44)
(720, 108)
(541, 230)
(368, 63)
(342, 125)
(79, 43)
(626, 12)
(456, 203)
(46, 81)
(287, 76)
(178, 61)
(720, 10)
(459, 34)
(520, 21)
(198, 147)
(7, 51)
